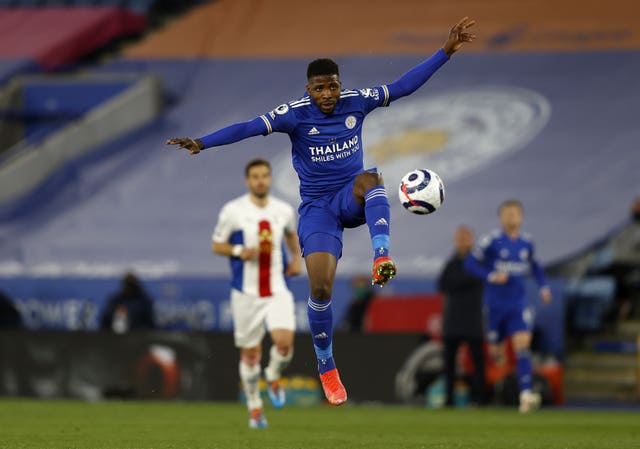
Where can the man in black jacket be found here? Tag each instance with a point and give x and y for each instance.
(462, 320)
(128, 309)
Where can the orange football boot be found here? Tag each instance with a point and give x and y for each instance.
(333, 388)
(384, 269)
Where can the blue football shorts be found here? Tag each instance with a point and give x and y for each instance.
(322, 221)
(503, 322)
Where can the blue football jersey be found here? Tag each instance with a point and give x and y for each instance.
(326, 149)
(498, 252)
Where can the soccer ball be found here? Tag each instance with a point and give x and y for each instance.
(421, 191)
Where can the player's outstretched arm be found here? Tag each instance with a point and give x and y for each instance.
(420, 74)
(476, 267)
(459, 35)
(224, 136)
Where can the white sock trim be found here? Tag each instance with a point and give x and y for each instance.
(318, 306)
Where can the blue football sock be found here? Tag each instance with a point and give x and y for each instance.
(321, 325)
(524, 369)
(378, 216)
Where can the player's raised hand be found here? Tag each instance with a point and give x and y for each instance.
(193, 145)
(458, 35)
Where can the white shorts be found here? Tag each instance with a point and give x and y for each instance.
(251, 313)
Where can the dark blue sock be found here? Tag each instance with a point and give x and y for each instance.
(378, 216)
(524, 369)
(321, 326)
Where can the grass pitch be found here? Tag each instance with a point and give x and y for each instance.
(69, 424)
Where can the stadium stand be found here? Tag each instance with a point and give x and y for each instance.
(54, 34)
(490, 167)
(260, 29)
(11, 67)
(50, 104)
(560, 98)
(67, 119)
(532, 111)
(138, 6)
(53, 37)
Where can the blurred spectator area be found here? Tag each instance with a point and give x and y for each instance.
(258, 28)
(138, 6)
(35, 107)
(54, 37)
(47, 122)
(45, 35)
(605, 277)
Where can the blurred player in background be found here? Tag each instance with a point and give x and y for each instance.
(503, 259)
(325, 128)
(250, 231)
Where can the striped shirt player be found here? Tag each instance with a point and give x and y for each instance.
(325, 129)
(241, 222)
(503, 259)
(252, 231)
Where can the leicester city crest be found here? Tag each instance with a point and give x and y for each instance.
(350, 122)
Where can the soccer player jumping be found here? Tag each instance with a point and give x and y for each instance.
(325, 128)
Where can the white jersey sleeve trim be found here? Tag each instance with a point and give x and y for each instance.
(266, 122)
(385, 90)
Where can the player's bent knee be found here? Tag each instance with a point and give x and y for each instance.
(284, 350)
(369, 179)
(284, 345)
(250, 360)
(521, 340)
(321, 291)
(251, 356)
(283, 341)
(365, 181)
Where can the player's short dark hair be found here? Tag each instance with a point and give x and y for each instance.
(322, 66)
(510, 202)
(256, 163)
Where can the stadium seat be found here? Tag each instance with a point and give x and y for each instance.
(112, 3)
(589, 300)
(140, 6)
